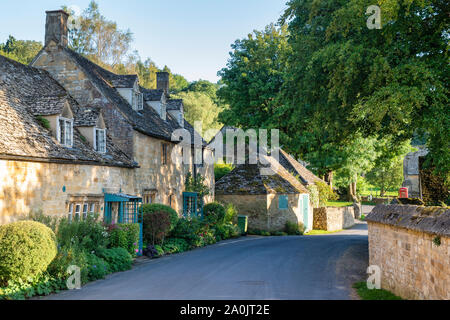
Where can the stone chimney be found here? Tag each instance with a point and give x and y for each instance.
(162, 82)
(56, 27)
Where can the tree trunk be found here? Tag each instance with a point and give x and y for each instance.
(352, 192)
(329, 178)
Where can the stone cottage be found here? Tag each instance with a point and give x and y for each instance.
(297, 169)
(54, 155)
(127, 127)
(269, 201)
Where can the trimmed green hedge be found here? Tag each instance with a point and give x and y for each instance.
(155, 207)
(214, 212)
(26, 249)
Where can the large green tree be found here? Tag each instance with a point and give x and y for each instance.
(253, 78)
(344, 79)
(98, 38)
(22, 51)
(200, 107)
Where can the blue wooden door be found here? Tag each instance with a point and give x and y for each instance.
(305, 205)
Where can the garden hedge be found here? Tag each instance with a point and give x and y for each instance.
(26, 249)
(156, 207)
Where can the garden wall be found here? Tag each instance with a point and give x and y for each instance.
(411, 245)
(333, 218)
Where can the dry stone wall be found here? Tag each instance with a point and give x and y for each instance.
(333, 218)
(411, 245)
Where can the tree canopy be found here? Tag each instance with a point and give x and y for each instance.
(331, 85)
(22, 51)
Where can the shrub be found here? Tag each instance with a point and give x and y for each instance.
(160, 250)
(230, 213)
(196, 184)
(156, 226)
(43, 284)
(49, 221)
(325, 193)
(175, 245)
(118, 259)
(88, 234)
(154, 207)
(97, 267)
(124, 236)
(292, 228)
(188, 230)
(214, 212)
(207, 237)
(68, 256)
(26, 249)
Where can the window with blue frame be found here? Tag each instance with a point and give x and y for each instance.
(283, 202)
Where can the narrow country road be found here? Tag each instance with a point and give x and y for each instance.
(296, 267)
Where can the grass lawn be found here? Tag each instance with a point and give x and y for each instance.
(339, 203)
(317, 232)
(375, 294)
(376, 192)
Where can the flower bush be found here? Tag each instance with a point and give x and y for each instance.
(87, 234)
(214, 212)
(124, 236)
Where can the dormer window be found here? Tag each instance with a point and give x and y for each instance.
(137, 100)
(65, 132)
(100, 140)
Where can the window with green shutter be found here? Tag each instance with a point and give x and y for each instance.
(283, 202)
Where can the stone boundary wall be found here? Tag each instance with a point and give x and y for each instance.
(333, 218)
(411, 245)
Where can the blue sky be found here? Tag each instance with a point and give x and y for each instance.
(192, 37)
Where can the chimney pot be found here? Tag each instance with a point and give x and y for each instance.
(162, 82)
(56, 27)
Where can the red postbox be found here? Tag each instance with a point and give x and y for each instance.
(403, 193)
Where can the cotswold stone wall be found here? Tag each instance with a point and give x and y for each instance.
(32, 186)
(333, 218)
(262, 210)
(411, 245)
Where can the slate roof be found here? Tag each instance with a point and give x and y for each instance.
(293, 166)
(146, 121)
(152, 94)
(432, 220)
(86, 116)
(174, 104)
(247, 179)
(22, 136)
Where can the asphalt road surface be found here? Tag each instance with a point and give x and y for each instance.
(295, 267)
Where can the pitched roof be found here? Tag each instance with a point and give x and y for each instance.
(247, 179)
(146, 121)
(152, 94)
(174, 104)
(293, 166)
(22, 136)
(86, 116)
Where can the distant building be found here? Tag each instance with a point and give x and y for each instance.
(269, 201)
(411, 172)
